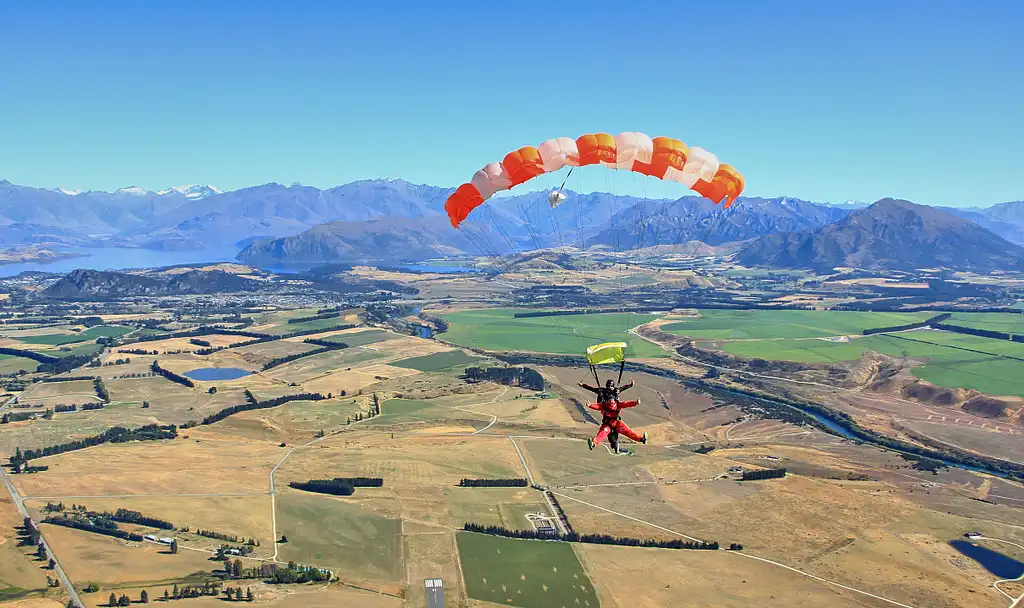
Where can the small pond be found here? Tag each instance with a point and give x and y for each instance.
(998, 564)
(209, 374)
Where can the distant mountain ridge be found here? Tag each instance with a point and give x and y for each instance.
(92, 284)
(892, 234)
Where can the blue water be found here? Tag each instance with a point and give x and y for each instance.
(209, 374)
(998, 564)
(118, 258)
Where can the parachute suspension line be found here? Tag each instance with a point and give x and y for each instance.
(534, 235)
(567, 176)
(622, 368)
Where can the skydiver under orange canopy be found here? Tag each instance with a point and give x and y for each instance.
(610, 407)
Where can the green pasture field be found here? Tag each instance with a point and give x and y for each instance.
(344, 537)
(498, 329)
(526, 573)
(761, 324)
(105, 331)
(10, 364)
(287, 328)
(436, 361)
(1009, 322)
(988, 371)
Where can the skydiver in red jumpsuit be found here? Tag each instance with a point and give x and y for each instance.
(609, 405)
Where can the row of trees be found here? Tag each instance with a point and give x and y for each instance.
(494, 483)
(173, 377)
(317, 317)
(763, 474)
(294, 334)
(599, 539)
(339, 486)
(67, 379)
(253, 404)
(325, 342)
(200, 342)
(64, 364)
(974, 331)
(117, 434)
(95, 525)
(28, 354)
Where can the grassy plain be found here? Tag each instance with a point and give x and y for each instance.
(21, 575)
(531, 574)
(499, 329)
(54, 393)
(106, 331)
(762, 324)
(340, 535)
(10, 364)
(437, 361)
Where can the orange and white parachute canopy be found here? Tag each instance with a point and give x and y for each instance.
(662, 157)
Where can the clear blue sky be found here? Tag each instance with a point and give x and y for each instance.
(815, 99)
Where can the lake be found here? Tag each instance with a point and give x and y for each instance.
(210, 374)
(118, 258)
(998, 564)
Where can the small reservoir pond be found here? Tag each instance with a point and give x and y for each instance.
(209, 374)
(998, 564)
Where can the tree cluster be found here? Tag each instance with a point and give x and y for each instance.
(200, 342)
(253, 404)
(598, 539)
(325, 343)
(513, 376)
(64, 364)
(336, 487)
(173, 377)
(114, 600)
(237, 595)
(207, 589)
(101, 389)
(28, 354)
(219, 535)
(295, 573)
(93, 406)
(763, 474)
(494, 483)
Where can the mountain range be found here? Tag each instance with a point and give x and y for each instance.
(893, 234)
(393, 220)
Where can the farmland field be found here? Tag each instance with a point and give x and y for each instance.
(362, 338)
(762, 324)
(107, 331)
(987, 371)
(1011, 323)
(527, 573)
(339, 535)
(436, 361)
(499, 329)
(10, 364)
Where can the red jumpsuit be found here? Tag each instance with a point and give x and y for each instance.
(610, 420)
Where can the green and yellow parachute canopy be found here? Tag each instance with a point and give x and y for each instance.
(608, 352)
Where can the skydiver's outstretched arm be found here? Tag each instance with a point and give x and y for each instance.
(624, 404)
(592, 389)
(594, 406)
(626, 386)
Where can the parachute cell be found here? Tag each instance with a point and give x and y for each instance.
(465, 199)
(727, 184)
(559, 152)
(662, 157)
(522, 165)
(596, 148)
(608, 352)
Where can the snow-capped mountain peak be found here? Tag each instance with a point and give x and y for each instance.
(192, 191)
(69, 192)
(132, 190)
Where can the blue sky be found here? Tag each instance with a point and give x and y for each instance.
(820, 100)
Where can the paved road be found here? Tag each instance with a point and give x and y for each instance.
(20, 504)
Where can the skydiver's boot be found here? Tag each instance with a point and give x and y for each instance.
(643, 439)
(591, 444)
